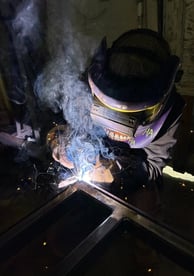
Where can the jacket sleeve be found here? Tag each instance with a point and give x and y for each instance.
(145, 165)
(159, 152)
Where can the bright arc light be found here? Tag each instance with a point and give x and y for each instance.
(184, 176)
(86, 178)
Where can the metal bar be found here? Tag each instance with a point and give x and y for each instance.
(85, 247)
(182, 251)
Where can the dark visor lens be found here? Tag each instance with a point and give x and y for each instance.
(130, 117)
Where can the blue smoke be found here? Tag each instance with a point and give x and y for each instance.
(59, 87)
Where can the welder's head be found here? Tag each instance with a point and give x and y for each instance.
(131, 83)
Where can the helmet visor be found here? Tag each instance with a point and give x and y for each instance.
(118, 124)
(120, 118)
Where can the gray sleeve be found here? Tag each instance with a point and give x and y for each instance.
(160, 150)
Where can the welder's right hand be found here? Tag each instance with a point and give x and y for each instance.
(59, 155)
(56, 143)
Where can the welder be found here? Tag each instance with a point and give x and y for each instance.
(136, 102)
(135, 99)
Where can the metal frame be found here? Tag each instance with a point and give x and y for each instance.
(181, 250)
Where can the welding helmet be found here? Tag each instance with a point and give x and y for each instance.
(131, 83)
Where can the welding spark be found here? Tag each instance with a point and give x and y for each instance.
(67, 182)
(96, 174)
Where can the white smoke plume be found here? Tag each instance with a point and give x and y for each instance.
(66, 31)
(27, 24)
(60, 88)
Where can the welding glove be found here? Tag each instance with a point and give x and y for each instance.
(10, 140)
(59, 155)
(133, 168)
(97, 174)
(56, 141)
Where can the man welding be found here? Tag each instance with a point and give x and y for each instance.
(135, 102)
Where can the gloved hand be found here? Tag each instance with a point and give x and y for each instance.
(93, 170)
(56, 141)
(59, 155)
(132, 169)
